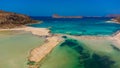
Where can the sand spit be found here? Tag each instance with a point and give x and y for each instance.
(116, 39)
(38, 53)
(35, 31)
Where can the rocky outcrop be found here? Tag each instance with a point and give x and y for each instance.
(117, 19)
(11, 20)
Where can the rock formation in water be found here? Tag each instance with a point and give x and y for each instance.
(57, 16)
(11, 20)
(117, 19)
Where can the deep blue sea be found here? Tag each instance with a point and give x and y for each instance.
(84, 26)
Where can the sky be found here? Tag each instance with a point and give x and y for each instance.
(62, 7)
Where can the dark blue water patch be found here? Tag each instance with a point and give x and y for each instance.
(85, 26)
(98, 62)
(70, 43)
(86, 59)
(49, 18)
(64, 37)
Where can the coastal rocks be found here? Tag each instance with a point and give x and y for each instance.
(117, 19)
(10, 20)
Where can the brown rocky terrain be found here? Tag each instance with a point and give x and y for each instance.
(11, 20)
(117, 19)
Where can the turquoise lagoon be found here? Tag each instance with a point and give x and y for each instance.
(78, 53)
(15, 47)
(83, 54)
(85, 26)
(72, 53)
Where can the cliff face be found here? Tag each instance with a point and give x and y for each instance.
(11, 20)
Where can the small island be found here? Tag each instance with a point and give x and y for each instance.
(57, 16)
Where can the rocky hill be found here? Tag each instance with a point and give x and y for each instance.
(11, 20)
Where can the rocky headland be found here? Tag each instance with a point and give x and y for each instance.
(11, 20)
(115, 18)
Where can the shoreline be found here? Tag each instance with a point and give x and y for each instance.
(113, 21)
(115, 38)
(39, 53)
(34, 31)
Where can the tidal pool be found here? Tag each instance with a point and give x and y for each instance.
(15, 47)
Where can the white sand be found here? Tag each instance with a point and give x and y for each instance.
(39, 53)
(116, 40)
(35, 31)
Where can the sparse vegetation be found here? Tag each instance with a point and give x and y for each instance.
(10, 20)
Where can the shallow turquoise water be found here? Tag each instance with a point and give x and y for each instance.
(85, 26)
(81, 54)
(15, 47)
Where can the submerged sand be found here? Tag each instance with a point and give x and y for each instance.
(115, 38)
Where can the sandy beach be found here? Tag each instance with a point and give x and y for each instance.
(35, 31)
(116, 39)
(38, 53)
